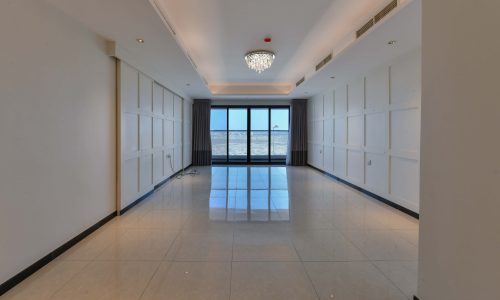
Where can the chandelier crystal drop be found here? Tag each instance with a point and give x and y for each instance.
(259, 60)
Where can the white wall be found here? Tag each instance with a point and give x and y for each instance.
(151, 130)
(57, 132)
(367, 130)
(460, 223)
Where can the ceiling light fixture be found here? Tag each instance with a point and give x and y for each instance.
(259, 60)
(140, 41)
(393, 42)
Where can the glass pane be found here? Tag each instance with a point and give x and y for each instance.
(218, 132)
(279, 133)
(281, 204)
(218, 204)
(259, 205)
(238, 134)
(279, 180)
(259, 178)
(258, 193)
(237, 178)
(259, 135)
(219, 178)
(237, 205)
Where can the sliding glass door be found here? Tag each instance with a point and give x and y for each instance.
(249, 134)
(259, 135)
(218, 134)
(238, 133)
(279, 133)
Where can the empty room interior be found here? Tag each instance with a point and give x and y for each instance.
(236, 149)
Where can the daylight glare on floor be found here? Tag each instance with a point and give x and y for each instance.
(238, 232)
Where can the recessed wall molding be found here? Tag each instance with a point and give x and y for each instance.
(154, 133)
(367, 130)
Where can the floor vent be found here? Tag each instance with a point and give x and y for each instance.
(384, 12)
(324, 62)
(300, 81)
(365, 28)
(381, 14)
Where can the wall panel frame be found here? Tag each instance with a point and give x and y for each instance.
(152, 131)
(375, 126)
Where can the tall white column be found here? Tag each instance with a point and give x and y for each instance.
(460, 151)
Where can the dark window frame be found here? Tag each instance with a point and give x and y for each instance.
(249, 156)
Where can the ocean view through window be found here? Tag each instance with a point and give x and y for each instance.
(249, 134)
(279, 133)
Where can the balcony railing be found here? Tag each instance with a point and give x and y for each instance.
(260, 147)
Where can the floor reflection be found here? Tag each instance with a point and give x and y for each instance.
(257, 194)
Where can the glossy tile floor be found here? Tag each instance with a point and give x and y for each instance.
(241, 233)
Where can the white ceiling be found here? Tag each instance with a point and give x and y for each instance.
(370, 51)
(217, 33)
(123, 21)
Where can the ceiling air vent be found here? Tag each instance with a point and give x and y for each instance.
(324, 62)
(384, 12)
(365, 28)
(300, 81)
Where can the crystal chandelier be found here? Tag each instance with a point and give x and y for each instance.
(259, 60)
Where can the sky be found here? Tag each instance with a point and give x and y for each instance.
(259, 119)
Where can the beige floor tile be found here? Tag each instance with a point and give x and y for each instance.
(202, 247)
(270, 280)
(382, 244)
(105, 280)
(131, 218)
(307, 220)
(351, 281)
(253, 245)
(355, 219)
(139, 244)
(44, 283)
(171, 220)
(325, 245)
(354, 247)
(93, 245)
(278, 227)
(390, 218)
(409, 235)
(191, 281)
(206, 221)
(404, 274)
